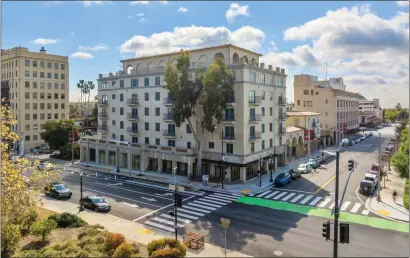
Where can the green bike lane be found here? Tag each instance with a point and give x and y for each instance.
(325, 213)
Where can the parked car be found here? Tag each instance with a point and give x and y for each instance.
(45, 165)
(352, 143)
(370, 134)
(371, 177)
(345, 142)
(313, 163)
(282, 179)
(362, 138)
(57, 190)
(366, 187)
(358, 140)
(294, 173)
(96, 203)
(376, 167)
(304, 168)
(320, 159)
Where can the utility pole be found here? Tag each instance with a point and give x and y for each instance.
(379, 167)
(336, 215)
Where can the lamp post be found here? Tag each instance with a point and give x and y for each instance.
(175, 204)
(271, 163)
(118, 160)
(222, 158)
(81, 192)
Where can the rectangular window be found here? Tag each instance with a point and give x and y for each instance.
(62, 106)
(48, 75)
(134, 83)
(146, 111)
(121, 111)
(157, 96)
(34, 85)
(146, 126)
(146, 140)
(121, 124)
(271, 127)
(146, 82)
(55, 95)
(252, 76)
(229, 148)
(121, 97)
(263, 111)
(104, 85)
(27, 95)
(134, 140)
(121, 137)
(34, 74)
(157, 81)
(56, 66)
(263, 95)
(49, 65)
(27, 84)
(270, 111)
(113, 136)
(42, 75)
(157, 141)
(62, 66)
(252, 147)
(157, 111)
(42, 105)
(113, 122)
(34, 95)
(62, 76)
(41, 64)
(55, 115)
(35, 117)
(188, 145)
(27, 73)
(146, 95)
(27, 62)
(271, 79)
(49, 85)
(211, 145)
(34, 63)
(113, 109)
(113, 83)
(56, 86)
(263, 128)
(270, 143)
(171, 143)
(188, 129)
(42, 117)
(113, 96)
(55, 76)
(63, 86)
(230, 132)
(48, 105)
(157, 127)
(263, 76)
(121, 83)
(263, 144)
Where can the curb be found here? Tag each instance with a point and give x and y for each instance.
(386, 217)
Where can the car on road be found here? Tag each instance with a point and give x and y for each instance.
(371, 177)
(57, 190)
(352, 143)
(282, 179)
(345, 142)
(95, 203)
(373, 172)
(362, 138)
(320, 159)
(370, 134)
(46, 165)
(313, 163)
(358, 140)
(304, 168)
(366, 187)
(294, 173)
(376, 167)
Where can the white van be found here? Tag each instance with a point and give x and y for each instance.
(371, 177)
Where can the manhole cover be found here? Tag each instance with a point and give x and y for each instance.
(278, 253)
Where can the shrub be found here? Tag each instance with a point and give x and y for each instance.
(406, 195)
(112, 241)
(10, 237)
(43, 228)
(125, 250)
(165, 247)
(67, 220)
(28, 219)
(31, 253)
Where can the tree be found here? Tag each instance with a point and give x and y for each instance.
(166, 248)
(400, 159)
(57, 133)
(43, 228)
(10, 237)
(202, 98)
(391, 114)
(81, 86)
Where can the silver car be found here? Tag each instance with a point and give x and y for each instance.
(304, 168)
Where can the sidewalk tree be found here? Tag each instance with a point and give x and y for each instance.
(202, 98)
(56, 133)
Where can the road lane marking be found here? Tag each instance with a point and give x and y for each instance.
(196, 209)
(213, 201)
(345, 205)
(291, 190)
(272, 194)
(149, 199)
(156, 225)
(355, 208)
(218, 200)
(332, 206)
(171, 199)
(208, 204)
(325, 184)
(315, 201)
(288, 196)
(306, 199)
(190, 212)
(263, 194)
(180, 214)
(167, 222)
(121, 197)
(279, 195)
(201, 206)
(297, 198)
(130, 204)
(365, 212)
(226, 196)
(326, 201)
(178, 219)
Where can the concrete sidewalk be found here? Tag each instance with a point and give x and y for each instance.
(131, 230)
(387, 207)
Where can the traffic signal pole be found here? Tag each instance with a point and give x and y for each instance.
(336, 215)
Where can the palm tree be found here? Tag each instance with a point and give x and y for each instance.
(90, 87)
(80, 86)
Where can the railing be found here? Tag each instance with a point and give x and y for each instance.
(229, 137)
(255, 117)
(102, 115)
(132, 130)
(168, 133)
(168, 116)
(255, 100)
(282, 130)
(132, 101)
(132, 116)
(229, 118)
(103, 127)
(282, 116)
(168, 101)
(103, 102)
(281, 102)
(255, 136)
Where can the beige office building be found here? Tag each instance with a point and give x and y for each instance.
(339, 108)
(39, 84)
(137, 128)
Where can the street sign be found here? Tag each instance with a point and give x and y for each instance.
(225, 223)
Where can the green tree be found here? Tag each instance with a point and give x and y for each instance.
(43, 228)
(57, 133)
(10, 237)
(391, 114)
(400, 159)
(203, 98)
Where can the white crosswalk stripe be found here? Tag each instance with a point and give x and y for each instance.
(211, 205)
(218, 199)
(326, 201)
(233, 198)
(186, 221)
(204, 209)
(279, 195)
(153, 224)
(297, 198)
(272, 194)
(180, 214)
(191, 212)
(164, 221)
(251, 195)
(355, 208)
(263, 194)
(345, 205)
(237, 195)
(213, 201)
(306, 199)
(287, 196)
(365, 212)
(332, 206)
(315, 201)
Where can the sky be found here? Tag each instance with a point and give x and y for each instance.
(365, 42)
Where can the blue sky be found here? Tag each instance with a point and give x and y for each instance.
(366, 42)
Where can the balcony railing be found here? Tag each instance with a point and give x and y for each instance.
(281, 102)
(229, 137)
(103, 127)
(103, 115)
(282, 130)
(131, 130)
(168, 116)
(255, 100)
(282, 116)
(229, 118)
(167, 133)
(132, 101)
(255, 136)
(168, 101)
(255, 118)
(132, 116)
(230, 101)
(103, 102)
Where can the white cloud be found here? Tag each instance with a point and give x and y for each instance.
(97, 47)
(139, 3)
(402, 3)
(44, 41)
(82, 55)
(139, 14)
(182, 9)
(164, 2)
(235, 10)
(142, 20)
(192, 37)
(98, 3)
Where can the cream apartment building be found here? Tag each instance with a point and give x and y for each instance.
(370, 112)
(310, 123)
(137, 129)
(39, 84)
(339, 108)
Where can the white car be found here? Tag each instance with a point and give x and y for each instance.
(46, 165)
(304, 168)
(363, 138)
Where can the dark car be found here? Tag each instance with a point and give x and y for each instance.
(282, 179)
(294, 173)
(57, 190)
(95, 203)
(367, 187)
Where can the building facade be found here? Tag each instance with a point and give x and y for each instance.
(370, 112)
(339, 108)
(39, 84)
(137, 128)
(310, 123)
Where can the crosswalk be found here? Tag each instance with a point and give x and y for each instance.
(192, 211)
(308, 199)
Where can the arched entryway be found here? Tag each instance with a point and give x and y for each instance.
(235, 59)
(288, 149)
(219, 56)
(300, 146)
(294, 147)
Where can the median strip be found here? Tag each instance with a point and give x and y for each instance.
(324, 213)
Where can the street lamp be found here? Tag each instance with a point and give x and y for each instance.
(118, 160)
(175, 204)
(223, 168)
(271, 170)
(81, 192)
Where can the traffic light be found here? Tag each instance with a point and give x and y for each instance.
(344, 233)
(226, 170)
(171, 213)
(350, 164)
(326, 230)
(178, 199)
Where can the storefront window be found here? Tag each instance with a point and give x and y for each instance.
(101, 157)
(135, 162)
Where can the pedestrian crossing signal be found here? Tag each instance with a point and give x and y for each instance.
(344, 233)
(326, 230)
(351, 164)
(178, 200)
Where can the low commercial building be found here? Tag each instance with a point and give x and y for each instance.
(371, 112)
(310, 123)
(294, 142)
